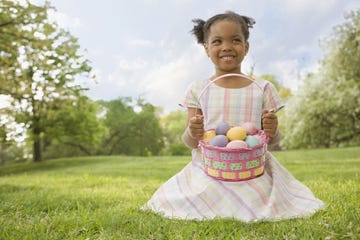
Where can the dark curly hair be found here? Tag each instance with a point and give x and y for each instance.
(201, 28)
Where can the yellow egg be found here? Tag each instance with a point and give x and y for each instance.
(236, 133)
(208, 135)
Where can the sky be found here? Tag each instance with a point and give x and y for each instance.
(144, 48)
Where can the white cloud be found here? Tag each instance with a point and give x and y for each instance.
(166, 84)
(140, 43)
(304, 6)
(134, 65)
(160, 83)
(291, 73)
(64, 20)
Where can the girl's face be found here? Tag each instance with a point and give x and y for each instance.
(226, 46)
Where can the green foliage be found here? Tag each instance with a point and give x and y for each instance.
(15, 20)
(38, 65)
(74, 129)
(326, 110)
(149, 134)
(10, 149)
(284, 93)
(173, 126)
(130, 132)
(100, 198)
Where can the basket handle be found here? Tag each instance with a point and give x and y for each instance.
(224, 76)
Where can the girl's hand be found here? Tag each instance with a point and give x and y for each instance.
(269, 123)
(196, 127)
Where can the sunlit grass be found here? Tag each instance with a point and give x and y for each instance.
(100, 197)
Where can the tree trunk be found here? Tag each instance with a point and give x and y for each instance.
(37, 156)
(1, 155)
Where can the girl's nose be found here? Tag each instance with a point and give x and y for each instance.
(226, 46)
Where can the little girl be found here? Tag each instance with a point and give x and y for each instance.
(191, 193)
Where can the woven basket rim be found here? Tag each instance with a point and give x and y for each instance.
(232, 150)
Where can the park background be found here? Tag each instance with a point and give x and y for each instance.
(83, 128)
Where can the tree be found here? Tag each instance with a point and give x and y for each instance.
(173, 126)
(326, 110)
(4, 143)
(119, 116)
(13, 18)
(39, 63)
(149, 135)
(73, 130)
(131, 132)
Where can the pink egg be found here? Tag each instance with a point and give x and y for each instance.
(236, 144)
(250, 128)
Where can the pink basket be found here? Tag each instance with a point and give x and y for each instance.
(234, 164)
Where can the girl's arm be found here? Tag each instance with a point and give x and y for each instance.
(270, 126)
(194, 130)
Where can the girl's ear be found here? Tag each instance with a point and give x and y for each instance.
(247, 46)
(206, 48)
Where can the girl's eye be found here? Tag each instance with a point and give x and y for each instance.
(216, 42)
(236, 40)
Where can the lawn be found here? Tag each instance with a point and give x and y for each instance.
(100, 197)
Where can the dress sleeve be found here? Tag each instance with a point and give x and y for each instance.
(191, 96)
(271, 97)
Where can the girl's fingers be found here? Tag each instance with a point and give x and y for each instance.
(269, 116)
(196, 126)
(196, 133)
(269, 123)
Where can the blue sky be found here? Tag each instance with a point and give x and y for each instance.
(143, 48)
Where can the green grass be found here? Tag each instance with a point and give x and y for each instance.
(100, 197)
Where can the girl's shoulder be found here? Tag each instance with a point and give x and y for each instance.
(201, 82)
(198, 85)
(265, 85)
(262, 82)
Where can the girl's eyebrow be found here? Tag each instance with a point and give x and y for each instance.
(235, 35)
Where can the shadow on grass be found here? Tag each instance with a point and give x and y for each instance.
(48, 165)
(137, 168)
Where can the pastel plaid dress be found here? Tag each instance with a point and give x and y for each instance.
(191, 194)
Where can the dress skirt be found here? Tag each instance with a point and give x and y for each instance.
(192, 194)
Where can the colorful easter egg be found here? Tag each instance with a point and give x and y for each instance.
(236, 133)
(236, 144)
(219, 141)
(208, 135)
(250, 128)
(252, 141)
(222, 128)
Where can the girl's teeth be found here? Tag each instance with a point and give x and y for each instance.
(226, 58)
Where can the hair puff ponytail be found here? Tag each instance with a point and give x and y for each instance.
(198, 30)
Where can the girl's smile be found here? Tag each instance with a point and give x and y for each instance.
(227, 58)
